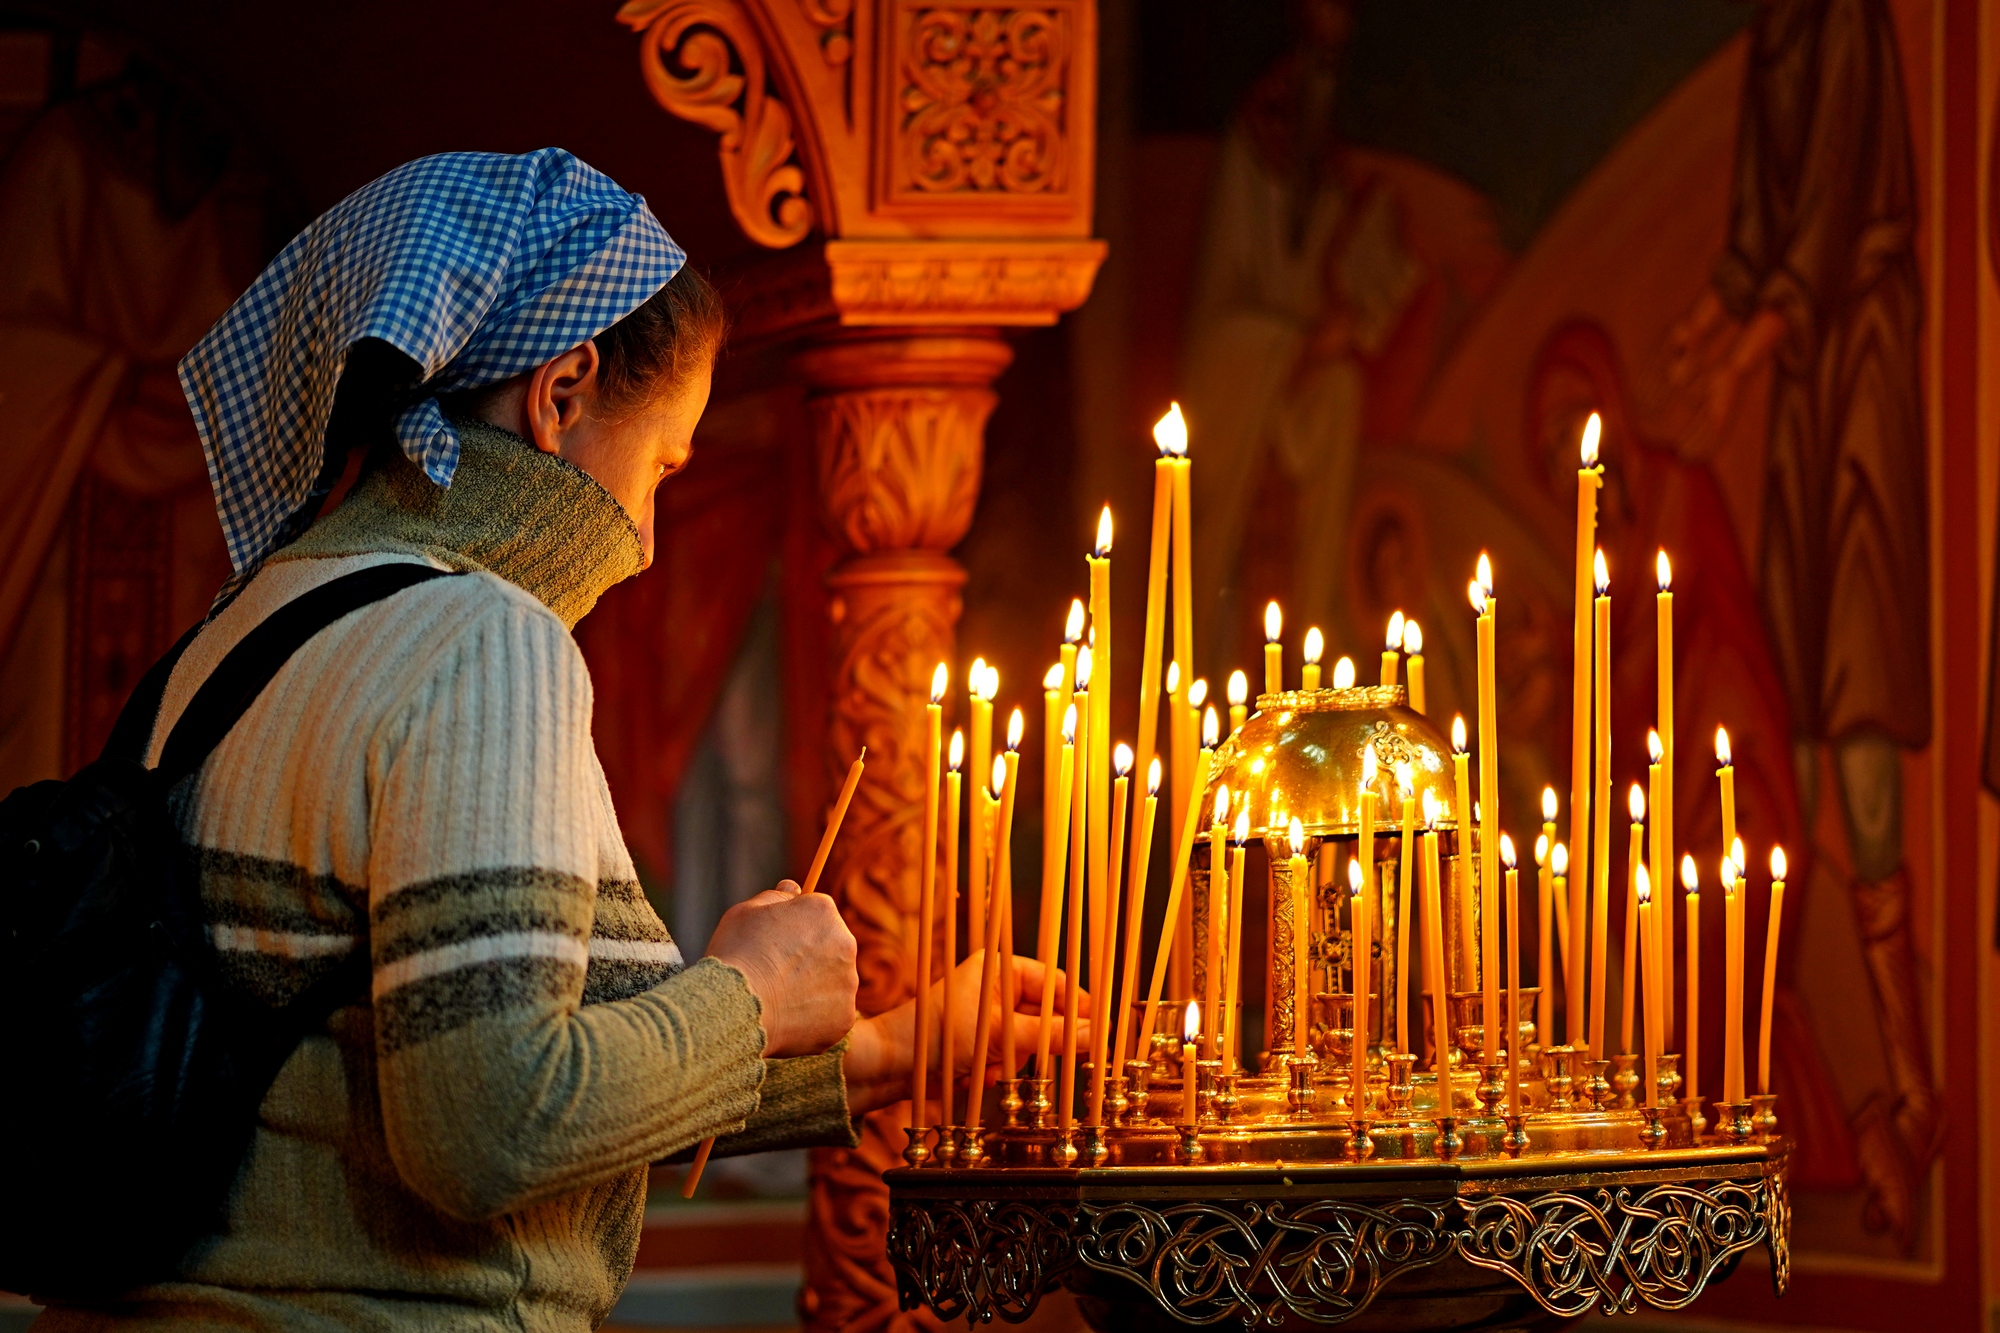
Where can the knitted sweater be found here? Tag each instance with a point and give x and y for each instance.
(465, 1147)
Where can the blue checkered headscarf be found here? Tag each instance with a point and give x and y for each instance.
(478, 266)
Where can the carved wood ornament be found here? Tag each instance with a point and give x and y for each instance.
(928, 164)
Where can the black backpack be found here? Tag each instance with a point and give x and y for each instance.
(135, 1071)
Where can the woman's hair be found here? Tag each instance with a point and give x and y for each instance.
(661, 346)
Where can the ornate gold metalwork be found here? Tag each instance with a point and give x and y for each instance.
(979, 1257)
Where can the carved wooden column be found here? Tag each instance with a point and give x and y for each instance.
(937, 155)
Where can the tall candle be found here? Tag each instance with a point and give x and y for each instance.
(1005, 769)
(1545, 1005)
(1301, 934)
(1691, 881)
(1484, 605)
(1239, 701)
(1589, 478)
(1172, 437)
(1434, 964)
(1732, 963)
(1513, 873)
(1392, 649)
(1098, 563)
(1274, 649)
(1174, 924)
(1189, 816)
(1232, 994)
(1054, 862)
(1461, 898)
(1725, 775)
(954, 784)
(1360, 939)
(1413, 663)
(1600, 833)
(1770, 968)
(1104, 940)
(1634, 865)
(1003, 893)
(1135, 913)
(1190, 1037)
(1315, 647)
(1406, 858)
(1218, 908)
(1170, 429)
(1554, 934)
(979, 724)
(1658, 863)
(1073, 948)
(1361, 920)
(1649, 948)
(1663, 807)
(1573, 965)
(927, 892)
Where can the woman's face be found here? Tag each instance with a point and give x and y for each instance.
(631, 455)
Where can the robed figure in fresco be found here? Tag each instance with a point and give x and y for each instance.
(1820, 280)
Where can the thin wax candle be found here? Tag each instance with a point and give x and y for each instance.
(1770, 968)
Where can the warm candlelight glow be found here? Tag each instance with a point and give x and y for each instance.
(989, 683)
(1406, 779)
(1297, 834)
(1548, 805)
(1170, 432)
(1635, 801)
(1241, 833)
(1663, 570)
(1644, 883)
(1121, 759)
(1483, 573)
(958, 743)
(1413, 638)
(1354, 877)
(1211, 727)
(1559, 859)
(1052, 678)
(1690, 876)
(1073, 626)
(1068, 732)
(1368, 767)
(1153, 777)
(1601, 573)
(939, 679)
(1395, 636)
(1103, 547)
(1015, 728)
(1593, 431)
(1221, 805)
(1458, 734)
(1083, 658)
(1655, 752)
(1316, 645)
(1239, 689)
(1191, 1024)
(1173, 678)
(1198, 693)
(1542, 849)
(1475, 592)
(1507, 851)
(1729, 875)
(1430, 809)
(1778, 866)
(999, 783)
(1722, 758)
(1737, 855)
(1343, 674)
(1274, 623)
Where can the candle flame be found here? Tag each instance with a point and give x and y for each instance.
(1241, 834)
(1239, 689)
(1458, 734)
(1430, 809)
(1635, 801)
(1052, 678)
(1153, 777)
(1103, 549)
(1297, 833)
(1274, 623)
(1559, 860)
(1315, 645)
(1221, 805)
(1396, 623)
(1690, 876)
(1198, 693)
(1211, 727)
(1069, 725)
(1354, 877)
(1736, 855)
(1368, 766)
(1655, 751)
(1083, 657)
(975, 676)
(1778, 865)
(1507, 851)
(1593, 431)
(939, 679)
(1548, 805)
(1484, 573)
(1602, 573)
(1542, 849)
(999, 776)
(989, 684)
(1728, 875)
(1406, 779)
(1073, 623)
(1170, 432)
(1476, 594)
(1173, 678)
(1643, 883)
(1722, 758)
(1663, 570)
(1413, 638)
(1191, 1023)
(1343, 674)
(1015, 727)
(1121, 759)
(958, 746)
(1475, 812)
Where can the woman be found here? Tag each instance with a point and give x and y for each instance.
(517, 343)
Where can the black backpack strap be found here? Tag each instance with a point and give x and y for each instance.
(248, 667)
(134, 726)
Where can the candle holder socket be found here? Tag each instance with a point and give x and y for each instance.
(1624, 1079)
(1492, 1089)
(1301, 1094)
(1652, 1133)
(946, 1151)
(971, 1147)
(1226, 1099)
(1401, 1092)
(1206, 1072)
(1011, 1101)
(1138, 1074)
(1667, 1078)
(1696, 1119)
(1114, 1100)
(1360, 1144)
(1733, 1121)
(1561, 1081)
(1041, 1100)
(1449, 1144)
(1764, 1113)
(1064, 1152)
(1096, 1148)
(916, 1152)
(1515, 1140)
(1190, 1145)
(1597, 1093)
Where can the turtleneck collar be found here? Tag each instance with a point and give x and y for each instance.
(524, 515)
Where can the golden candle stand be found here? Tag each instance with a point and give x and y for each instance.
(1283, 1201)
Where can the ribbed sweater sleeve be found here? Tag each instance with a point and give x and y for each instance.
(500, 1087)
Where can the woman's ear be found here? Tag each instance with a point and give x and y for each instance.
(560, 392)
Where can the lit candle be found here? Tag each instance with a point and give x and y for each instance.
(1649, 949)
(948, 879)
(1544, 959)
(1589, 478)
(979, 700)
(1170, 429)
(1557, 905)
(1513, 874)
(1189, 816)
(1663, 805)
(1239, 700)
(1770, 968)
(1392, 648)
(1413, 663)
(1104, 940)
(1725, 773)
(1361, 916)
(1054, 861)
(1360, 938)
(1434, 964)
(1573, 973)
(1732, 964)
(1484, 605)
(1003, 894)
(1301, 933)
(1461, 897)
(1005, 768)
(1406, 857)
(1073, 949)
(1274, 649)
(1135, 911)
(1174, 926)
(1600, 833)
(1659, 863)
(1691, 881)
(1172, 436)
(1636, 800)
(1218, 908)
(1098, 563)
(1232, 994)
(1343, 674)
(1315, 646)
(1190, 1036)
(927, 892)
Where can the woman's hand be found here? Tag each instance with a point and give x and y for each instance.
(880, 1050)
(798, 956)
